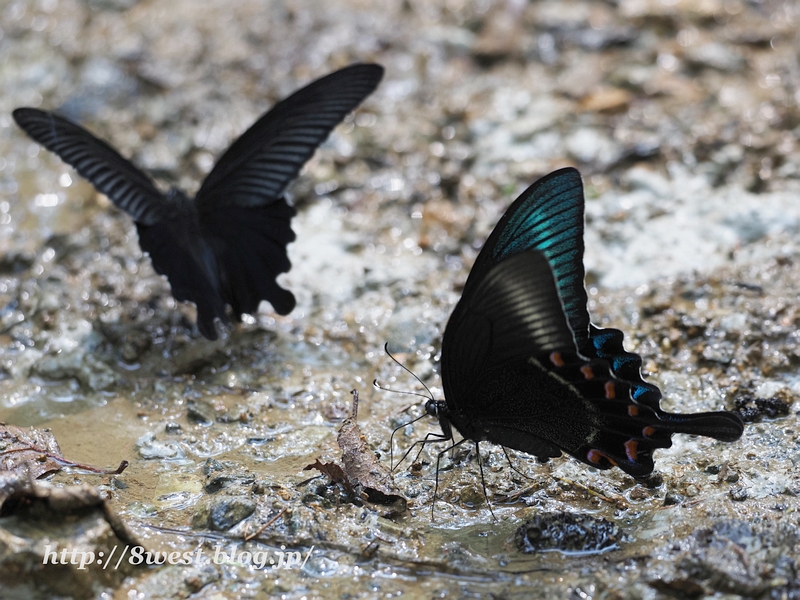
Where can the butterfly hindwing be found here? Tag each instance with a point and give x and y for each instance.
(125, 185)
(189, 268)
(607, 344)
(250, 246)
(258, 166)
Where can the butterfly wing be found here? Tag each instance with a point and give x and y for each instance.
(258, 166)
(548, 217)
(606, 344)
(510, 314)
(168, 228)
(250, 245)
(243, 214)
(512, 376)
(125, 185)
(178, 251)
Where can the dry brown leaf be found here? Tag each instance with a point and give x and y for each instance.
(37, 452)
(362, 466)
(333, 471)
(34, 450)
(363, 476)
(20, 490)
(608, 100)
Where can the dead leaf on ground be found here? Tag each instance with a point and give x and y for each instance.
(363, 476)
(334, 473)
(607, 100)
(37, 452)
(34, 450)
(363, 468)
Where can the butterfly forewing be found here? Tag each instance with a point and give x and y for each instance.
(548, 217)
(513, 313)
(125, 185)
(259, 165)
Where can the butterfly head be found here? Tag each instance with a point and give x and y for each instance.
(436, 408)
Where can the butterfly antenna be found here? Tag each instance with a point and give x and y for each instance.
(405, 368)
(386, 389)
(391, 438)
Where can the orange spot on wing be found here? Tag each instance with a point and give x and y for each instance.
(555, 358)
(611, 390)
(649, 431)
(632, 449)
(633, 410)
(596, 458)
(587, 372)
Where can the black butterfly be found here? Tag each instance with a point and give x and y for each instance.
(524, 368)
(228, 244)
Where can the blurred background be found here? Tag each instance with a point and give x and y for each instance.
(683, 118)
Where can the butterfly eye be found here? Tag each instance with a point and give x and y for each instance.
(432, 408)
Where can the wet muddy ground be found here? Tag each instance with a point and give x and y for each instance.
(683, 118)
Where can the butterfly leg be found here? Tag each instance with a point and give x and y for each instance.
(391, 441)
(483, 480)
(513, 468)
(437, 437)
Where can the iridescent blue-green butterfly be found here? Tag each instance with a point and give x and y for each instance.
(523, 367)
(228, 244)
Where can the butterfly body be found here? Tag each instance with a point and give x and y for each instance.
(227, 245)
(523, 367)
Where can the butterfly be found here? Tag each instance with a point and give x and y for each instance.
(228, 244)
(523, 367)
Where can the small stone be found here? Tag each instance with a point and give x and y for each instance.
(716, 56)
(223, 513)
(150, 448)
(738, 494)
(673, 498)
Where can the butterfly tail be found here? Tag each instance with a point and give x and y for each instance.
(607, 344)
(723, 426)
(629, 443)
(625, 432)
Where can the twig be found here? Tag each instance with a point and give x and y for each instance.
(247, 538)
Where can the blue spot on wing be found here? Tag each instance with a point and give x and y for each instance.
(607, 344)
(548, 217)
